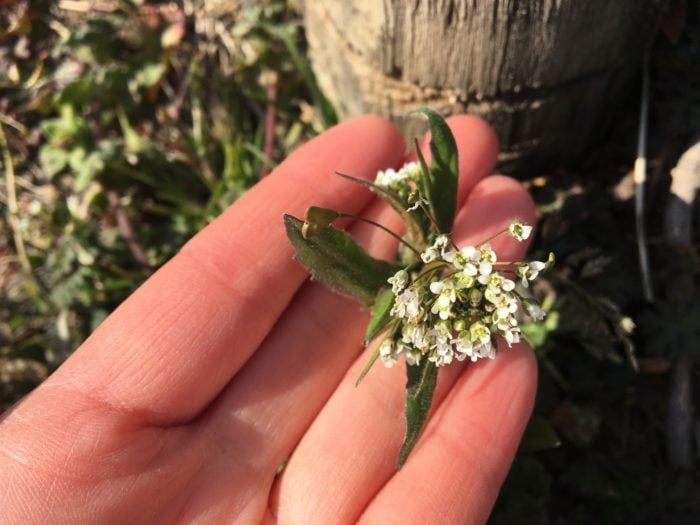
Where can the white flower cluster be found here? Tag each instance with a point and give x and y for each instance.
(456, 305)
(400, 181)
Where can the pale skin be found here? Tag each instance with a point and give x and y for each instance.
(182, 406)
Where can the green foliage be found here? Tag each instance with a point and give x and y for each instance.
(420, 386)
(129, 130)
(380, 315)
(337, 261)
(441, 180)
(334, 259)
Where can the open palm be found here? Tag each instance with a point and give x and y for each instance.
(183, 405)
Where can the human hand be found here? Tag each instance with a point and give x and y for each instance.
(182, 406)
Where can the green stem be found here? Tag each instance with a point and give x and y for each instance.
(499, 232)
(387, 230)
(432, 219)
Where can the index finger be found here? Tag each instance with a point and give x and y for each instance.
(172, 346)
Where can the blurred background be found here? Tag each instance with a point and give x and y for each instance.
(127, 126)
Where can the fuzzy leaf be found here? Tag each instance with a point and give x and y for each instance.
(420, 386)
(380, 315)
(337, 261)
(442, 176)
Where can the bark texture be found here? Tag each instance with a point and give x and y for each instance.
(547, 74)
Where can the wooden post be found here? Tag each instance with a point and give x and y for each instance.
(547, 74)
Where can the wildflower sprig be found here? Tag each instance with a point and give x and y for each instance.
(454, 308)
(439, 303)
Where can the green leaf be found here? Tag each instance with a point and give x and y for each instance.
(133, 140)
(538, 435)
(149, 74)
(420, 386)
(425, 170)
(381, 315)
(90, 169)
(52, 159)
(337, 261)
(414, 231)
(443, 174)
(368, 366)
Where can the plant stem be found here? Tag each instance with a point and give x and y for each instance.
(387, 230)
(270, 120)
(13, 218)
(493, 236)
(127, 232)
(432, 220)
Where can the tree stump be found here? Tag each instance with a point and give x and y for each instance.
(548, 75)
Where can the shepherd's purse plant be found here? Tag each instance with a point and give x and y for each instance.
(438, 302)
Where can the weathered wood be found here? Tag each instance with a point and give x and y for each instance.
(547, 74)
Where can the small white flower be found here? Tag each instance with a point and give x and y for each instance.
(463, 280)
(388, 353)
(441, 360)
(529, 271)
(445, 290)
(483, 351)
(496, 282)
(465, 259)
(442, 242)
(412, 355)
(412, 170)
(437, 250)
(388, 178)
(463, 345)
(430, 254)
(487, 254)
(512, 336)
(416, 335)
(398, 281)
(480, 339)
(398, 180)
(627, 325)
(485, 268)
(519, 231)
(479, 333)
(441, 344)
(534, 311)
(408, 305)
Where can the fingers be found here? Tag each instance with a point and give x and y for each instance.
(263, 413)
(351, 447)
(462, 460)
(284, 386)
(167, 351)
